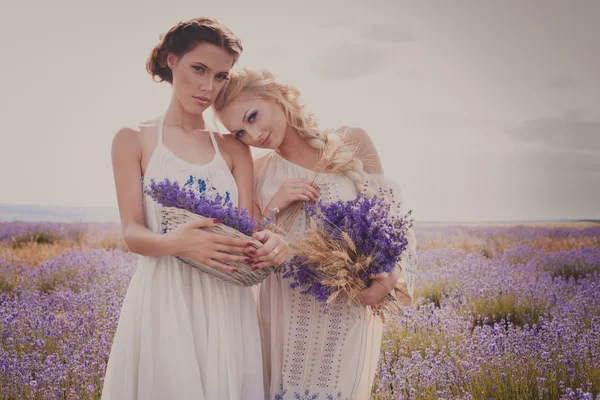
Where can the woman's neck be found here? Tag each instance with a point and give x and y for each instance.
(296, 149)
(177, 116)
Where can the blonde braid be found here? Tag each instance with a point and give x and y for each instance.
(339, 156)
(344, 159)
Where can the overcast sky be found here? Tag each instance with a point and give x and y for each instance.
(481, 110)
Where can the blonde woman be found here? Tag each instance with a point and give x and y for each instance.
(308, 353)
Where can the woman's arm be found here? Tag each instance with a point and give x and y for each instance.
(274, 250)
(242, 171)
(127, 171)
(187, 240)
(402, 278)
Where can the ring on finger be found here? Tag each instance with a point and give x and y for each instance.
(276, 251)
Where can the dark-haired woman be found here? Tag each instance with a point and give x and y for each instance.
(183, 334)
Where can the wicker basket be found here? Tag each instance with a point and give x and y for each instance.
(173, 217)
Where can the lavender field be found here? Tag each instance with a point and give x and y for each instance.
(502, 313)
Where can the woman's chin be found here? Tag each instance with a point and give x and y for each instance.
(272, 143)
(196, 108)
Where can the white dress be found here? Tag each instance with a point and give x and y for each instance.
(183, 334)
(310, 354)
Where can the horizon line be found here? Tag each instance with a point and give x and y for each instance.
(116, 209)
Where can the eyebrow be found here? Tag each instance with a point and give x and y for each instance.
(204, 65)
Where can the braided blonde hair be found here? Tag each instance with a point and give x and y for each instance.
(336, 154)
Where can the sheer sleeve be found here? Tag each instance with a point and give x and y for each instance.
(404, 290)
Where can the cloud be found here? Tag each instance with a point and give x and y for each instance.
(405, 72)
(561, 82)
(267, 52)
(339, 22)
(569, 165)
(345, 60)
(569, 132)
(560, 163)
(388, 33)
(567, 180)
(454, 120)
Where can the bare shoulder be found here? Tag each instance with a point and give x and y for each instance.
(366, 152)
(136, 137)
(127, 137)
(233, 151)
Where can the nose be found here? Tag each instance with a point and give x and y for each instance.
(256, 135)
(207, 84)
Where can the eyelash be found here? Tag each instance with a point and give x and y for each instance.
(251, 119)
(219, 77)
(252, 116)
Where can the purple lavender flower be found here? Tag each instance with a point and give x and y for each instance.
(57, 324)
(375, 229)
(171, 194)
(521, 324)
(57, 320)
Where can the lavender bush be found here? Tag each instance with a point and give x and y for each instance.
(17, 233)
(57, 323)
(521, 324)
(524, 324)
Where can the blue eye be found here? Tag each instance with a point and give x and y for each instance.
(239, 134)
(252, 117)
(222, 77)
(198, 68)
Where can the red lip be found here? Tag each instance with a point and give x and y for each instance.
(265, 141)
(202, 99)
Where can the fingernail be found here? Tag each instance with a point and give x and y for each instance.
(216, 221)
(252, 252)
(254, 268)
(247, 260)
(234, 270)
(250, 244)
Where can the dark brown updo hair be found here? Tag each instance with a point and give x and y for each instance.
(184, 37)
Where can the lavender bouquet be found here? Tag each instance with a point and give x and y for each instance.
(182, 204)
(351, 241)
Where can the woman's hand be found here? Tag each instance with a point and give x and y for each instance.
(381, 286)
(293, 190)
(274, 251)
(190, 241)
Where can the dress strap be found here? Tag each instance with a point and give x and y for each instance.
(161, 123)
(214, 142)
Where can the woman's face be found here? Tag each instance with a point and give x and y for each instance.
(257, 122)
(199, 75)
